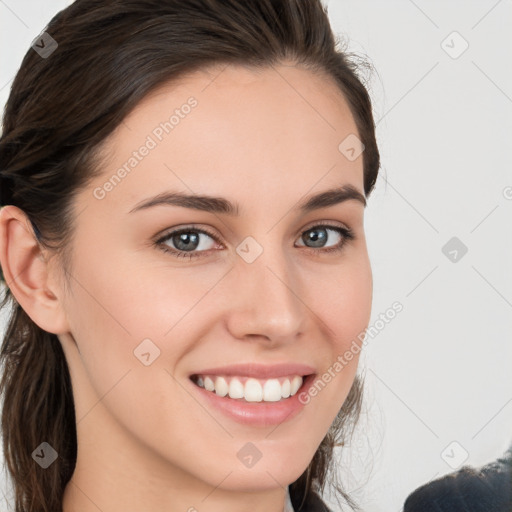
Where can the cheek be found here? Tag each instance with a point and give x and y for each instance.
(118, 305)
(343, 305)
(134, 295)
(343, 301)
(118, 308)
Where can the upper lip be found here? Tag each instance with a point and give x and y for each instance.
(259, 371)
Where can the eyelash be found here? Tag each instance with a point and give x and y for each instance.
(346, 233)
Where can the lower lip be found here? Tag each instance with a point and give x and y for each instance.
(261, 414)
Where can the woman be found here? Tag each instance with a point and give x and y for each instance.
(183, 186)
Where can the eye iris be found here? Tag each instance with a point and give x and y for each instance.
(186, 238)
(316, 239)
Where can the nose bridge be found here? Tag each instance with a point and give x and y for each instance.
(267, 301)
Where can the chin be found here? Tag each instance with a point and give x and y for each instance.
(263, 477)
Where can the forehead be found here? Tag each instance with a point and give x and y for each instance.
(233, 130)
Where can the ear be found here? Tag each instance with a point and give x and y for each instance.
(27, 273)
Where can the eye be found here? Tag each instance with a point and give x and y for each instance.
(184, 241)
(187, 243)
(319, 234)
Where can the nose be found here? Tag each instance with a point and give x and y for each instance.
(268, 302)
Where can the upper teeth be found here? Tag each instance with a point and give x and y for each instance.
(253, 390)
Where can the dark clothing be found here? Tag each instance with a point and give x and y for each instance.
(485, 489)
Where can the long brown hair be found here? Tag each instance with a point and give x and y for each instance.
(110, 55)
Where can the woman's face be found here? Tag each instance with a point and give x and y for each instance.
(261, 289)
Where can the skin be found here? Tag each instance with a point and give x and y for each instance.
(262, 138)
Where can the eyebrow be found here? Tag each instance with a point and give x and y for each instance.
(224, 206)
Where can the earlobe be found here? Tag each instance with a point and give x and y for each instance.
(26, 271)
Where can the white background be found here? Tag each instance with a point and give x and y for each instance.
(441, 370)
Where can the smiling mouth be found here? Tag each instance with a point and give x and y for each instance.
(249, 389)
